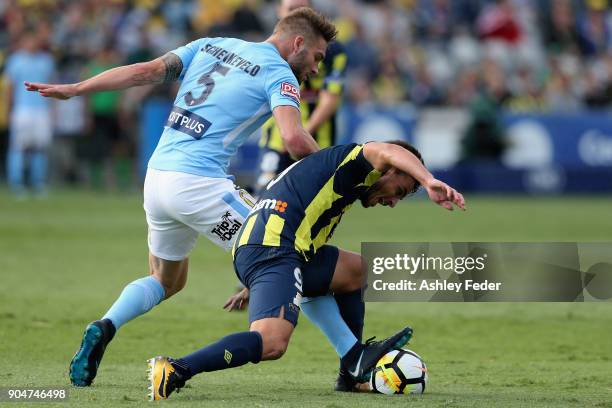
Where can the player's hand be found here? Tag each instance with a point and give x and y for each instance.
(56, 91)
(362, 387)
(444, 195)
(239, 301)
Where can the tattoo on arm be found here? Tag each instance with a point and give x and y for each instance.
(153, 72)
(174, 66)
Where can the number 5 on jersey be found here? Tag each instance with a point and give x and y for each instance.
(209, 84)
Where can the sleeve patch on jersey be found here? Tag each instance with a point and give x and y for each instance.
(290, 90)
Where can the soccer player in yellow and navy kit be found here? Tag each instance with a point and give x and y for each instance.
(281, 255)
(321, 95)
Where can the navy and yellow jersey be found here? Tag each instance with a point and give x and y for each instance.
(331, 79)
(301, 208)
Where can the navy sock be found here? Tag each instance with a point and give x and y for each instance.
(352, 310)
(231, 351)
(353, 354)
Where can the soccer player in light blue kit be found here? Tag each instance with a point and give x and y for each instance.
(31, 125)
(229, 88)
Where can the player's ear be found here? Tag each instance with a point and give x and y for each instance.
(298, 43)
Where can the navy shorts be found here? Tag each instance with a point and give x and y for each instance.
(278, 277)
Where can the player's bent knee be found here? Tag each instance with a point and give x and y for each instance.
(172, 275)
(274, 344)
(274, 349)
(275, 354)
(275, 334)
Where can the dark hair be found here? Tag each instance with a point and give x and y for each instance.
(307, 22)
(414, 151)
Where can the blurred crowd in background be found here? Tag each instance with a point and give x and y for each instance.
(520, 55)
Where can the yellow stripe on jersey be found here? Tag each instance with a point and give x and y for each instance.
(351, 156)
(324, 135)
(266, 129)
(305, 112)
(274, 227)
(246, 231)
(371, 178)
(321, 237)
(317, 83)
(339, 62)
(271, 137)
(334, 87)
(322, 201)
(338, 65)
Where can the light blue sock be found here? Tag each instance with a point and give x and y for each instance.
(324, 313)
(136, 299)
(38, 169)
(14, 169)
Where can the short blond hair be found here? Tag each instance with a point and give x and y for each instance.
(308, 23)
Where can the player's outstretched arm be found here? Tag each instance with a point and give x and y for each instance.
(383, 156)
(163, 69)
(298, 142)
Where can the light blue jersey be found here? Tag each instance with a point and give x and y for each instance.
(229, 89)
(33, 67)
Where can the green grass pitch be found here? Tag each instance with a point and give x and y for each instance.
(64, 260)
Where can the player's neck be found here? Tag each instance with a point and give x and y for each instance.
(282, 48)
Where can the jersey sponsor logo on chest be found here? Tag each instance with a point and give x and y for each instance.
(290, 90)
(271, 204)
(187, 122)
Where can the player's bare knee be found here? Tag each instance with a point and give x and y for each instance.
(275, 334)
(277, 353)
(172, 275)
(275, 348)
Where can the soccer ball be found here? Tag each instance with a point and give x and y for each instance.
(399, 372)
